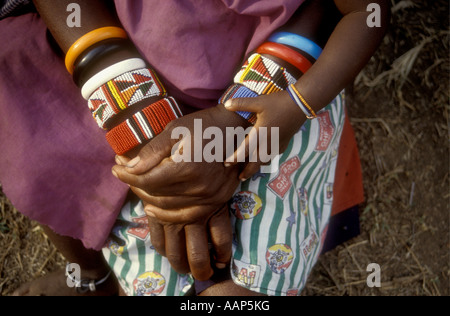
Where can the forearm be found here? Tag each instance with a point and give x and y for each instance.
(94, 14)
(347, 51)
(97, 53)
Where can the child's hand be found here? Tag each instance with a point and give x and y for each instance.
(273, 111)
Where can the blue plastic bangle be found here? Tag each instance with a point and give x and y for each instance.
(297, 41)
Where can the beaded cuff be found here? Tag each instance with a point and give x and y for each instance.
(239, 91)
(263, 75)
(143, 125)
(122, 92)
(258, 75)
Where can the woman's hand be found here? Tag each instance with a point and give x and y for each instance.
(190, 245)
(186, 200)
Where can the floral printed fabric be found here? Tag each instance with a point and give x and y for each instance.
(279, 221)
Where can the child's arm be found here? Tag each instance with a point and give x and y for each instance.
(347, 51)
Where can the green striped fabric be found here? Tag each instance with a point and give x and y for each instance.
(279, 222)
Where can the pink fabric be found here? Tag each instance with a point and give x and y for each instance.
(55, 164)
(196, 45)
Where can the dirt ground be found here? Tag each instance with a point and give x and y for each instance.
(399, 110)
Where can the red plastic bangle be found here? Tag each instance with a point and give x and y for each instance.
(287, 54)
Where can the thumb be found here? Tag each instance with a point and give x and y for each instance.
(151, 155)
(243, 105)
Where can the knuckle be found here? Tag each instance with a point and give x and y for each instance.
(198, 259)
(223, 243)
(174, 259)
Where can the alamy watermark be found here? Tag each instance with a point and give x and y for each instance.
(74, 18)
(374, 18)
(374, 278)
(73, 274)
(192, 148)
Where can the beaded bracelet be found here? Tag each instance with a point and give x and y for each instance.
(143, 125)
(96, 53)
(263, 75)
(287, 54)
(110, 73)
(239, 91)
(258, 75)
(89, 39)
(302, 43)
(122, 92)
(301, 102)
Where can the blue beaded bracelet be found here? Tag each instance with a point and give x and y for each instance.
(239, 91)
(298, 42)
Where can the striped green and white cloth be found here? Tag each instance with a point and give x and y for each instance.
(279, 221)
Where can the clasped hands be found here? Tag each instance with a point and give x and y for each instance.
(186, 201)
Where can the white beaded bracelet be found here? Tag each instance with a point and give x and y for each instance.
(109, 73)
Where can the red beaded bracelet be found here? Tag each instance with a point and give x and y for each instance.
(143, 125)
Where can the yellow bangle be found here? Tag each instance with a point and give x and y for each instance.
(90, 39)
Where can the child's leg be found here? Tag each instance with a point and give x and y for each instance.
(92, 266)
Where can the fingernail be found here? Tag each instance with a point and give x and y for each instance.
(220, 265)
(115, 174)
(133, 162)
(227, 164)
(229, 160)
(148, 211)
(243, 180)
(121, 160)
(228, 104)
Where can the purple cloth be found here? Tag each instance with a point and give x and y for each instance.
(55, 164)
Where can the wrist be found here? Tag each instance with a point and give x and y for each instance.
(225, 118)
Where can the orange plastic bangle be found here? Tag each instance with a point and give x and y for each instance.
(90, 39)
(285, 53)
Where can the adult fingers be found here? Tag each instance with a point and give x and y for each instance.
(183, 216)
(198, 251)
(157, 235)
(152, 180)
(221, 237)
(175, 243)
(150, 155)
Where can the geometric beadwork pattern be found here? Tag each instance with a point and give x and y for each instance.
(263, 75)
(259, 75)
(144, 125)
(236, 91)
(122, 92)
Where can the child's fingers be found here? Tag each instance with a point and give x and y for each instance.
(244, 105)
(245, 148)
(250, 170)
(252, 167)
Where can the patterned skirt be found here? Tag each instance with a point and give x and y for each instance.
(279, 221)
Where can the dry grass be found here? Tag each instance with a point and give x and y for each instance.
(399, 111)
(26, 252)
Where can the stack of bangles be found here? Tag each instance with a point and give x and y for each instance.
(125, 85)
(261, 75)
